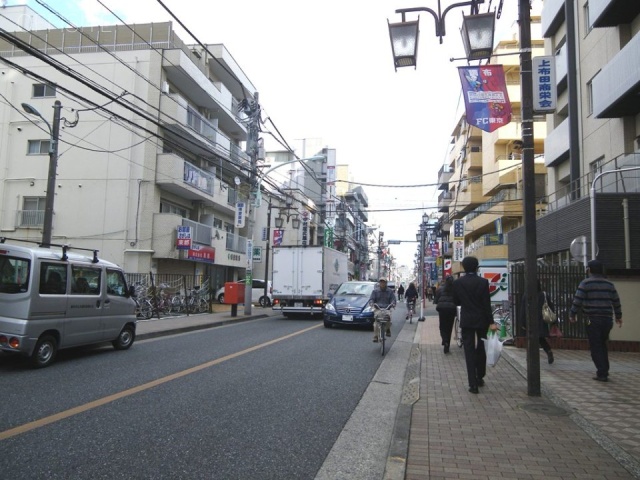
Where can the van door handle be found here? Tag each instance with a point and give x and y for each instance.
(97, 303)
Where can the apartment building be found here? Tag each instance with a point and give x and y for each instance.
(594, 134)
(151, 141)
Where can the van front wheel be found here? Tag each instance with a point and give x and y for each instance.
(45, 352)
(125, 338)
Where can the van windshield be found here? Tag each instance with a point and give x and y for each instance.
(14, 274)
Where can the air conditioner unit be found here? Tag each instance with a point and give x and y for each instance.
(165, 87)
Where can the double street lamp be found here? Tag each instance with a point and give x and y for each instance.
(54, 133)
(478, 42)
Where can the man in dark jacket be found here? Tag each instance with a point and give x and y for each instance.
(471, 292)
(383, 297)
(599, 301)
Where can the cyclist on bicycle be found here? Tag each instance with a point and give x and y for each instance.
(411, 295)
(384, 298)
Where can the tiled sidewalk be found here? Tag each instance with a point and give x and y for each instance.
(502, 432)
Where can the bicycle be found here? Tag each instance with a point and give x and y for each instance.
(502, 317)
(457, 330)
(411, 310)
(382, 317)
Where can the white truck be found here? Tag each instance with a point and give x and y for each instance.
(304, 278)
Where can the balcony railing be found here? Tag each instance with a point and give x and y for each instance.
(501, 196)
(236, 243)
(30, 218)
(622, 182)
(198, 178)
(200, 124)
(200, 232)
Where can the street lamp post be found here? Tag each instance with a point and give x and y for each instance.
(54, 133)
(404, 47)
(420, 236)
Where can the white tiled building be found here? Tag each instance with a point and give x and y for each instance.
(120, 188)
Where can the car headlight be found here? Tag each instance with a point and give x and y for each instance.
(329, 308)
(368, 309)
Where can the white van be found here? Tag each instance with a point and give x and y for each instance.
(51, 299)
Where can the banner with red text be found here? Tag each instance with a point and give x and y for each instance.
(485, 96)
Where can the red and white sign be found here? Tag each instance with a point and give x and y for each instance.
(447, 267)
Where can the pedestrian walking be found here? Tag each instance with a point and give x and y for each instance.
(400, 292)
(599, 301)
(543, 327)
(471, 292)
(446, 311)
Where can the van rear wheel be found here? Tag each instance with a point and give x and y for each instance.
(125, 338)
(45, 352)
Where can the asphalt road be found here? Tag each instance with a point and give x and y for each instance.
(264, 399)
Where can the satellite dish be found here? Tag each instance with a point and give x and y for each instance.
(236, 180)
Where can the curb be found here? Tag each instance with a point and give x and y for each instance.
(192, 328)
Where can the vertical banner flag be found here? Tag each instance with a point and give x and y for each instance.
(485, 96)
(240, 213)
(277, 237)
(544, 84)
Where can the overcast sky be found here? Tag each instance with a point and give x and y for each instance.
(324, 70)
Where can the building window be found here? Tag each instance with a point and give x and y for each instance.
(32, 213)
(589, 98)
(166, 207)
(217, 223)
(587, 20)
(38, 147)
(41, 90)
(595, 168)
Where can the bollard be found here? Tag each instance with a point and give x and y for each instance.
(234, 309)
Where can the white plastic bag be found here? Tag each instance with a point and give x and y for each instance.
(493, 347)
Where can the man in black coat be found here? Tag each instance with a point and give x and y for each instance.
(471, 293)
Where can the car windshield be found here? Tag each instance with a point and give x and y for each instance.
(348, 288)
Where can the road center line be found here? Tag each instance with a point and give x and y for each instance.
(27, 427)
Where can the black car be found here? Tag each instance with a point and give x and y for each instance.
(350, 305)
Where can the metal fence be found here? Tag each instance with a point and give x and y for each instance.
(560, 284)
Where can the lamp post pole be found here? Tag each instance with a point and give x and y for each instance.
(54, 133)
(266, 260)
(528, 174)
(423, 287)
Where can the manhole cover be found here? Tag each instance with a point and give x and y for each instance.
(544, 409)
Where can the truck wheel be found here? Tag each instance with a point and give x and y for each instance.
(45, 352)
(125, 338)
(264, 301)
(221, 298)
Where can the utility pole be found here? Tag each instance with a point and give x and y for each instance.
(252, 110)
(266, 260)
(529, 199)
(54, 132)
